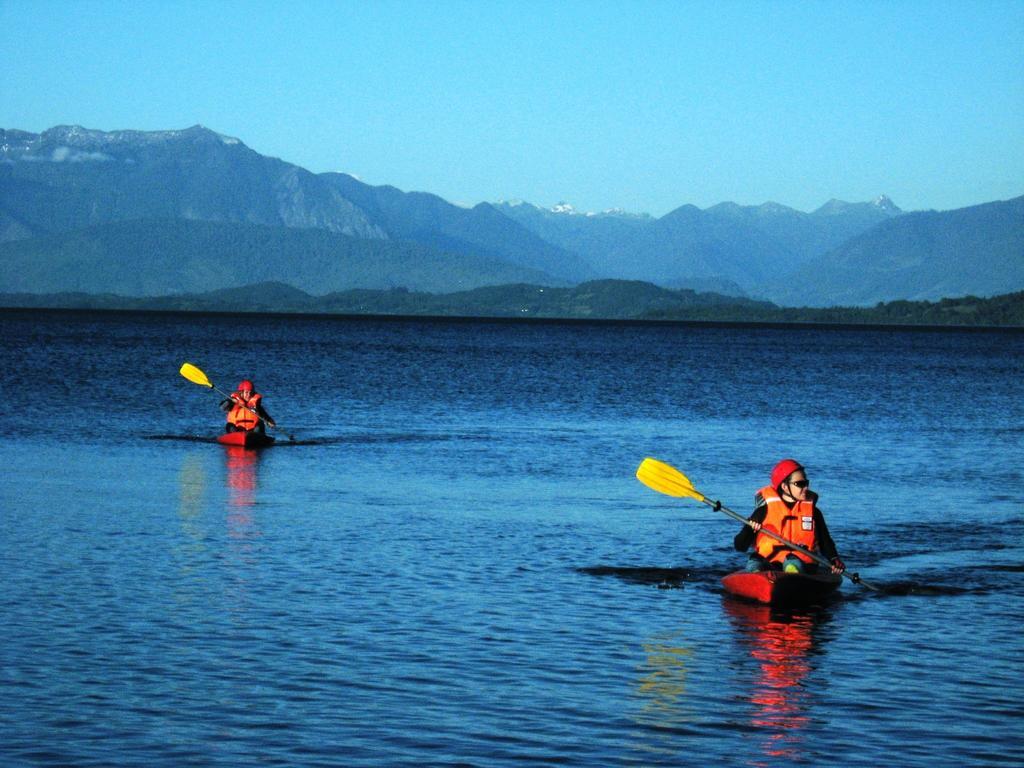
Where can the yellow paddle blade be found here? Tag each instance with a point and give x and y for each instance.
(195, 375)
(666, 479)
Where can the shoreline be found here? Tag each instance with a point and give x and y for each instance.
(529, 320)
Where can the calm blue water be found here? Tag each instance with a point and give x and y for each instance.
(452, 563)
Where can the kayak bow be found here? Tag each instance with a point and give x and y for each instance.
(249, 439)
(779, 588)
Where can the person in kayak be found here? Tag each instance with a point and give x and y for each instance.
(245, 410)
(789, 508)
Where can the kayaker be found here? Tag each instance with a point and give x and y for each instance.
(240, 407)
(789, 508)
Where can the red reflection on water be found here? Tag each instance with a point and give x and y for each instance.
(242, 481)
(782, 644)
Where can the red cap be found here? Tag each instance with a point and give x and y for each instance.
(246, 385)
(784, 469)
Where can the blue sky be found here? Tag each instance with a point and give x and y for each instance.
(643, 105)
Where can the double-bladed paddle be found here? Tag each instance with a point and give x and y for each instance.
(196, 376)
(666, 479)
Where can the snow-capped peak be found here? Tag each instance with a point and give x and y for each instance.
(76, 135)
(567, 209)
(885, 204)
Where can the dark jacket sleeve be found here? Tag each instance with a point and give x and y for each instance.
(826, 546)
(746, 535)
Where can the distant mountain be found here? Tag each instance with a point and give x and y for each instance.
(582, 233)
(91, 210)
(429, 220)
(155, 258)
(735, 248)
(806, 235)
(688, 242)
(69, 178)
(919, 256)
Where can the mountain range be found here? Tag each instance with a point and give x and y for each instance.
(165, 212)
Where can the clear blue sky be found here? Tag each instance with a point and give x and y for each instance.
(640, 105)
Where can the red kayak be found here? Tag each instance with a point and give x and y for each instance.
(249, 439)
(778, 588)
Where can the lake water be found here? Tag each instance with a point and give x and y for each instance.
(452, 563)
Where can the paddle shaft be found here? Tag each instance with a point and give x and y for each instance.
(718, 507)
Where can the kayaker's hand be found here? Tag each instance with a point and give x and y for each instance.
(271, 423)
(756, 526)
(837, 565)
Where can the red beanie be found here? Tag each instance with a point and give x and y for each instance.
(782, 470)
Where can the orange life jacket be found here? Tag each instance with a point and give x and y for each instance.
(241, 414)
(796, 524)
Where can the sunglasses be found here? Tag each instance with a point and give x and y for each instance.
(800, 483)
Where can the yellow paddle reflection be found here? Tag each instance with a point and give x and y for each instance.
(662, 685)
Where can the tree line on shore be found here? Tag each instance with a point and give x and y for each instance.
(596, 300)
